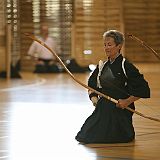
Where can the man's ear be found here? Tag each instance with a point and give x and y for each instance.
(119, 46)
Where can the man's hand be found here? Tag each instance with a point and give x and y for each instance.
(40, 62)
(94, 100)
(123, 103)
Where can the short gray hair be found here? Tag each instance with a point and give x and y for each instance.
(116, 35)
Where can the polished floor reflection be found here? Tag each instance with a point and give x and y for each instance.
(41, 114)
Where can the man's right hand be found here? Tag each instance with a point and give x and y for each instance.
(94, 100)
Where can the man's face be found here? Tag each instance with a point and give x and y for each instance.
(110, 47)
(44, 30)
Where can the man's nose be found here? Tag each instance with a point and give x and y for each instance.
(106, 47)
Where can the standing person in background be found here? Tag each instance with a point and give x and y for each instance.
(45, 61)
(121, 80)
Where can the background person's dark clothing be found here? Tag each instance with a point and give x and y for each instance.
(46, 67)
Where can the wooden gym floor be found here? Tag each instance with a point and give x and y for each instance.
(41, 114)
